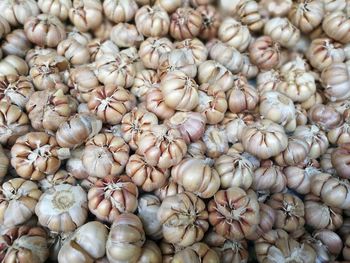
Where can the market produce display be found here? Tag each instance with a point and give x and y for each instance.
(174, 131)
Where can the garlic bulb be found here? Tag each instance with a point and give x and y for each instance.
(336, 26)
(264, 53)
(16, 43)
(126, 35)
(120, 11)
(216, 141)
(234, 34)
(86, 244)
(86, 14)
(60, 177)
(145, 80)
(183, 218)
(269, 178)
(62, 208)
(198, 252)
(58, 8)
(75, 52)
(340, 160)
(282, 31)
(155, 103)
(24, 244)
(235, 124)
(227, 56)
(210, 21)
(152, 21)
(17, 12)
(185, 23)
(112, 196)
(171, 188)
(18, 200)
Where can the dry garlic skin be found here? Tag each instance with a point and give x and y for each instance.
(282, 31)
(16, 89)
(337, 26)
(24, 244)
(86, 14)
(299, 85)
(16, 12)
(233, 213)
(77, 129)
(62, 208)
(180, 91)
(184, 219)
(111, 103)
(45, 30)
(264, 139)
(135, 123)
(264, 53)
(34, 155)
(162, 146)
(235, 169)
(278, 108)
(307, 15)
(13, 123)
(152, 49)
(226, 55)
(152, 21)
(86, 244)
(18, 199)
(336, 81)
(277, 244)
(112, 196)
(234, 34)
(196, 176)
(125, 240)
(185, 22)
(120, 11)
(116, 69)
(323, 52)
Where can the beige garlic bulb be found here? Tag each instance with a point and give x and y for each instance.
(210, 21)
(279, 245)
(112, 196)
(340, 160)
(269, 178)
(4, 27)
(249, 13)
(59, 177)
(170, 188)
(273, 8)
(17, 12)
(62, 208)
(337, 25)
(162, 146)
(86, 14)
(235, 169)
(282, 31)
(198, 252)
(183, 218)
(279, 108)
(86, 244)
(307, 15)
(13, 123)
(216, 141)
(152, 49)
(185, 22)
(148, 206)
(16, 89)
(155, 103)
(34, 155)
(324, 116)
(105, 154)
(268, 80)
(216, 74)
(152, 21)
(315, 137)
(234, 213)
(300, 179)
(98, 47)
(196, 176)
(145, 80)
(119, 11)
(234, 34)
(227, 56)
(77, 129)
(336, 81)
(177, 60)
(125, 240)
(235, 124)
(24, 244)
(76, 53)
(110, 103)
(48, 109)
(212, 103)
(45, 30)
(179, 91)
(59, 8)
(296, 151)
(290, 211)
(34, 53)
(249, 70)
(334, 5)
(190, 124)
(193, 48)
(126, 35)
(135, 123)
(18, 199)
(264, 139)
(13, 65)
(16, 43)
(321, 216)
(323, 52)
(264, 53)
(116, 69)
